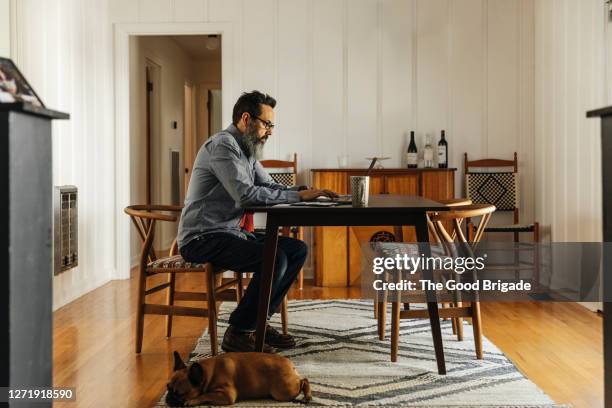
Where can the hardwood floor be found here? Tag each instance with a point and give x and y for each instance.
(556, 345)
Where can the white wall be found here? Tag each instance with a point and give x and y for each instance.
(569, 42)
(351, 76)
(5, 28)
(176, 67)
(63, 47)
(354, 77)
(570, 77)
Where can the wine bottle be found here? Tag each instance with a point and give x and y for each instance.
(412, 154)
(428, 153)
(442, 152)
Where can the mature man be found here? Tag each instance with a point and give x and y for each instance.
(227, 177)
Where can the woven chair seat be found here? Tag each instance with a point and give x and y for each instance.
(174, 262)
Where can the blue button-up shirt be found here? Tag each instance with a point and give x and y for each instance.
(224, 180)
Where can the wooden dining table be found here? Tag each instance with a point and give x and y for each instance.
(382, 210)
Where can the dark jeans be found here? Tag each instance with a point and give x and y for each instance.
(245, 255)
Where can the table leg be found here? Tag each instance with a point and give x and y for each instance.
(432, 302)
(265, 283)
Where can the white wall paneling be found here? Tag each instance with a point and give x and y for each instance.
(569, 49)
(503, 73)
(354, 77)
(569, 77)
(362, 81)
(526, 107)
(155, 11)
(190, 10)
(396, 50)
(351, 77)
(5, 28)
(294, 111)
(468, 84)
(51, 43)
(433, 65)
(259, 53)
(328, 87)
(122, 11)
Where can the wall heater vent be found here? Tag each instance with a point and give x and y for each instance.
(65, 228)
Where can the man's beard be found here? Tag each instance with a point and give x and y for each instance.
(254, 145)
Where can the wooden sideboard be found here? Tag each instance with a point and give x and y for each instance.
(337, 250)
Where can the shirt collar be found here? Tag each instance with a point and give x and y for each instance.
(237, 134)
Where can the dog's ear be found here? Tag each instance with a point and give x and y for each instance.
(196, 374)
(178, 363)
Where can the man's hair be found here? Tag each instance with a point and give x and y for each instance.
(251, 102)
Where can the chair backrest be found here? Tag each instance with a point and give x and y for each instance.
(288, 178)
(451, 202)
(145, 218)
(490, 185)
(455, 216)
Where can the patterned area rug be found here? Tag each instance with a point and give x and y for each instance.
(339, 352)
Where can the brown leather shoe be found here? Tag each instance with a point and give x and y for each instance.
(236, 340)
(277, 339)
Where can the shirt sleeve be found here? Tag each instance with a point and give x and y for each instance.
(226, 165)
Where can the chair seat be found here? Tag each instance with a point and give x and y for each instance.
(176, 263)
(509, 228)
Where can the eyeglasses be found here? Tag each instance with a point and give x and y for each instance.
(267, 124)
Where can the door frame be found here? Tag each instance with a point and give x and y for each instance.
(189, 134)
(152, 127)
(123, 31)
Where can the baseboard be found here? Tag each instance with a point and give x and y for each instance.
(592, 306)
(85, 290)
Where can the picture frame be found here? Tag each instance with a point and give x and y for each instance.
(14, 88)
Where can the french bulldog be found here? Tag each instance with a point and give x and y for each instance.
(229, 377)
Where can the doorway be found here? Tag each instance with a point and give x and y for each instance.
(125, 121)
(168, 72)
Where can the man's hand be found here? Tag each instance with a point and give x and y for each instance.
(313, 193)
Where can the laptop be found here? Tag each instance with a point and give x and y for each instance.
(341, 199)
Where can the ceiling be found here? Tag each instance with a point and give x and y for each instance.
(195, 46)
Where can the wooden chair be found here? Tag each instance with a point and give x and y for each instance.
(489, 185)
(287, 178)
(380, 305)
(449, 241)
(145, 218)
